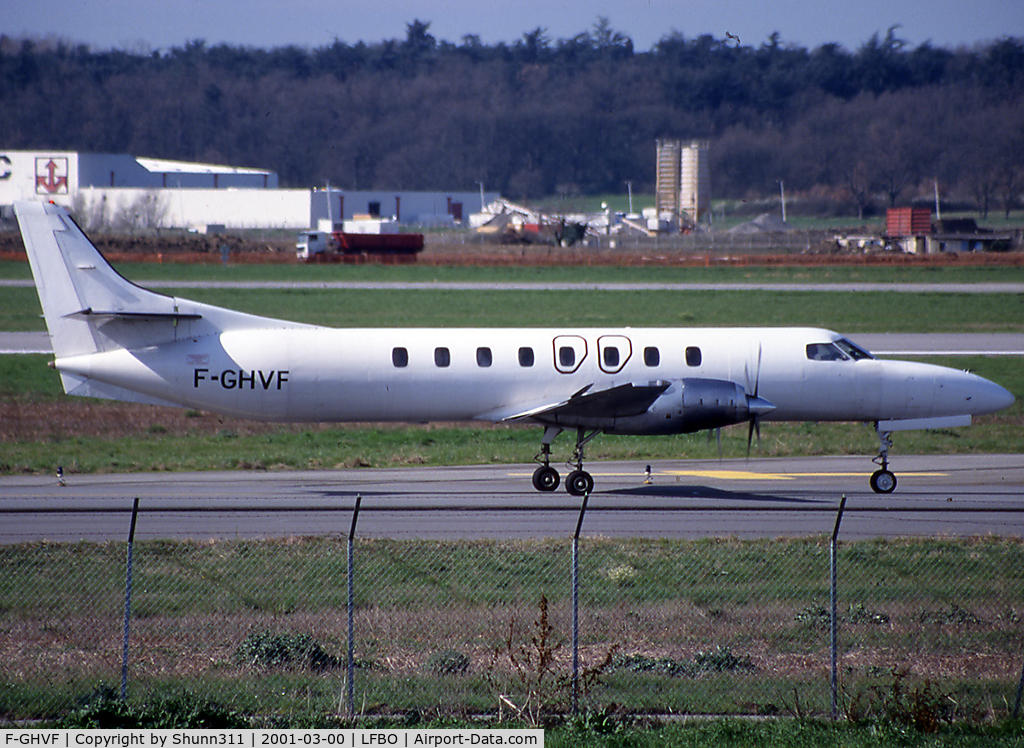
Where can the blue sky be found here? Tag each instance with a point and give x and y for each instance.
(155, 24)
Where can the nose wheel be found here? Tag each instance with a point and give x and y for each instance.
(883, 480)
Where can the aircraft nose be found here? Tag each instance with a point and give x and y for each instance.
(988, 397)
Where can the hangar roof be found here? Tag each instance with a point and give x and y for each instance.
(161, 166)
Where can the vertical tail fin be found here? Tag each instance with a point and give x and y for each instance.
(85, 301)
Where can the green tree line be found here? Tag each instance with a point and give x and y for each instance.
(542, 116)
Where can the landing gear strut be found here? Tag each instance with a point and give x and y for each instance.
(579, 482)
(882, 480)
(546, 478)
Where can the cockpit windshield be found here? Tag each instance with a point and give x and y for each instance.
(824, 352)
(852, 350)
(839, 350)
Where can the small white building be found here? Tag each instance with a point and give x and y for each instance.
(415, 208)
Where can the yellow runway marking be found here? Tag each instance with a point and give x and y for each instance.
(745, 475)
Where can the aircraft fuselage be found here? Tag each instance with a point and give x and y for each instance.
(322, 374)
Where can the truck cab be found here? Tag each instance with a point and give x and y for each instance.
(312, 243)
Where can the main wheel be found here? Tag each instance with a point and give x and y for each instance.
(579, 483)
(545, 478)
(883, 481)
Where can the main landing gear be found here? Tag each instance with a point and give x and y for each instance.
(545, 478)
(883, 480)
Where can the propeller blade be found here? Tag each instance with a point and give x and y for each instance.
(757, 373)
(755, 426)
(757, 377)
(756, 406)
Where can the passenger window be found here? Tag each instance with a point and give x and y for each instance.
(526, 356)
(611, 357)
(570, 353)
(693, 356)
(483, 357)
(442, 357)
(400, 357)
(824, 352)
(652, 356)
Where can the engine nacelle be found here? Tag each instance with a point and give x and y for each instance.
(691, 405)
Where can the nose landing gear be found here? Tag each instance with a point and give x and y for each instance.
(883, 480)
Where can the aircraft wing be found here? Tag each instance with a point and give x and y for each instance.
(620, 401)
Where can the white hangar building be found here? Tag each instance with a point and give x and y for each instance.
(103, 188)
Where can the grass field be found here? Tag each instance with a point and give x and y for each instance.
(142, 272)
(845, 311)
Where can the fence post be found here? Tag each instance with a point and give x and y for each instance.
(351, 611)
(128, 603)
(1020, 690)
(576, 607)
(833, 617)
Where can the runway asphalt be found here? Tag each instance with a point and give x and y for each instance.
(962, 495)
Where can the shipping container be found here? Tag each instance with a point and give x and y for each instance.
(908, 221)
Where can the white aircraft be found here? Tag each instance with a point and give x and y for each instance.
(113, 339)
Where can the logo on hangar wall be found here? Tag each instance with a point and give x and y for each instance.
(51, 175)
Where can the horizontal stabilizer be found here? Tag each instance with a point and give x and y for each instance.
(80, 386)
(131, 316)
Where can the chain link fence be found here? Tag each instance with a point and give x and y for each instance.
(283, 630)
(440, 247)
